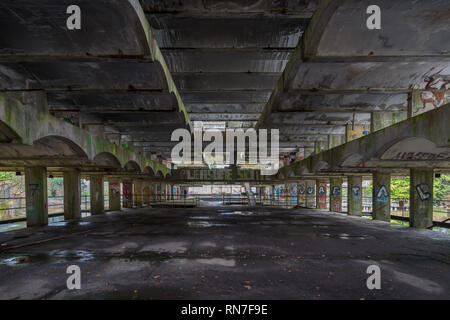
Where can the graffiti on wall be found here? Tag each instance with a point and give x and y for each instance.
(310, 190)
(382, 194)
(321, 190)
(322, 193)
(336, 191)
(434, 95)
(356, 191)
(423, 190)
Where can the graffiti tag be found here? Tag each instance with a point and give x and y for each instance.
(423, 156)
(423, 191)
(382, 194)
(321, 190)
(336, 191)
(310, 190)
(356, 190)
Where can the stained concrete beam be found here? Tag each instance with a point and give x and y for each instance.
(312, 118)
(330, 102)
(220, 6)
(226, 31)
(243, 60)
(389, 77)
(407, 29)
(224, 116)
(108, 28)
(108, 101)
(308, 129)
(227, 97)
(225, 81)
(224, 108)
(64, 75)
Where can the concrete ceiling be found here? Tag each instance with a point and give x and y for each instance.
(227, 56)
(341, 71)
(110, 75)
(139, 69)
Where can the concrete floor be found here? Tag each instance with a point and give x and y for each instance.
(224, 253)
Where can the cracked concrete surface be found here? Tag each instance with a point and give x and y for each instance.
(224, 253)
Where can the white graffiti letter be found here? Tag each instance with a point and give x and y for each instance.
(74, 20)
(374, 281)
(74, 281)
(373, 21)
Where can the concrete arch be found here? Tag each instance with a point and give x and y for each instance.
(132, 166)
(159, 174)
(301, 170)
(321, 165)
(60, 146)
(107, 159)
(413, 148)
(149, 171)
(352, 160)
(99, 16)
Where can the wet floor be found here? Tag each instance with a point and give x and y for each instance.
(224, 253)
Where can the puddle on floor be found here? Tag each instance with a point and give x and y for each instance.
(205, 224)
(237, 213)
(166, 247)
(218, 262)
(343, 236)
(13, 226)
(58, 256)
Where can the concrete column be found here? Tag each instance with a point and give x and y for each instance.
(138, 193)
(320, 146)
(354, 194)
(310, 194)
(97, 194)
(381, 196)
(301, 193)
(421, 198)
(336, 194)
(127, 189)
(72, 195)
(353, 132)
(114, 194)
(308, 152)
(251, 196)
(36, 196)
(321, 194)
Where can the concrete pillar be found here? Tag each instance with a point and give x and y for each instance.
(336, 194)
(308, 152)
(381, 196)
(421, 198)
(321, 194)
(310, 194)
(353, 132)
(301, 193)
(251, 196)
(320, 146)
(97, 194)
(137, 193)
(72, 195)
(335, 140)
(354, 194)
(114, 194)
(36, 196)
(381, 120)
(127, 189)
